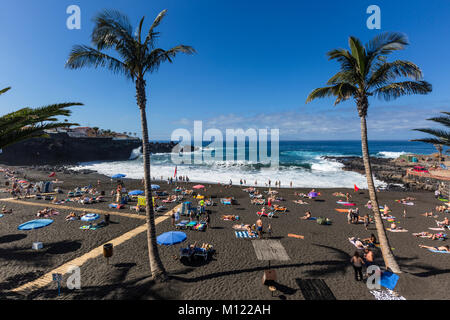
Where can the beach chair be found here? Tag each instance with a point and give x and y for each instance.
(203, 252)
(141, 201)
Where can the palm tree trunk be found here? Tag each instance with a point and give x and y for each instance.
(156, 266)
(388, 257)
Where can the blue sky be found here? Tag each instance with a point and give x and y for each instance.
(256, 62)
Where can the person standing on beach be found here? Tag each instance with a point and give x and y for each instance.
(347, 196)
(404, 213)
(437, 193)
(366, 221)
(290, 184)
(357, 264)
(269, 230)
(172, 217)
(259, 227)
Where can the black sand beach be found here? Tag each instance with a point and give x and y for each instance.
(234, 271)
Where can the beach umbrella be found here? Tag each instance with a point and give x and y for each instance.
(199, 186)
(171, 238)
(90, 217)
(35, 224)
(155, 187)
(118, 176)
(136, 193)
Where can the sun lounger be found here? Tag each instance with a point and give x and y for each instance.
(245, 235)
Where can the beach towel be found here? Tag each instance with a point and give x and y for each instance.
(342, 210)
(297, 236)
(437, 229)
(442, 199)
(84, 227)
(1, 215)
(437, 251)
(388, 218)
(386, 295)
(244, 234)
(353, 242)
(389, 280)
(397, 230)
(346, 203)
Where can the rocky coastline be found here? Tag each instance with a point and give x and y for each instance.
(391, 172)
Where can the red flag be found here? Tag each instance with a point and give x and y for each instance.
(52, 174)
(356, 188)
(175, 174)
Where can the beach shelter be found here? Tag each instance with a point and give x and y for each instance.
(198, 186)
(90, 217)
(171, 238)
(136, 192)
(35, 224)
(118, 176)
(356, 188)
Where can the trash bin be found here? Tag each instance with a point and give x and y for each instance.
(108, 250)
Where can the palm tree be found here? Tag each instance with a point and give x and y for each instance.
(364, 72)
(137, 56)
(441, 137)
(29, 123)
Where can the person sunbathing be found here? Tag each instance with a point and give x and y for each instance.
(4, 210)
(441, 248)
(71, 216)
(427, 214)
(429, 235)
(371, 241)
(299, 201)
(443, 223)
(43, 212)
(306, 216)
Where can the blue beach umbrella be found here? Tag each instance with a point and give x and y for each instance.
(136, 192)
(118, 176)
(155, 187)
(171, 238)
(35, 224)
(90, 217)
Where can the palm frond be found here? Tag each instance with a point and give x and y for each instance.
(84, 56)
(2, 91)
(385, 43)
(152, 35)
(158, 56)
(386, 72)
(398, 89)
(341, 91)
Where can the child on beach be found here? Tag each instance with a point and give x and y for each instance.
(306, 216)
(259, 227)
(366, 221)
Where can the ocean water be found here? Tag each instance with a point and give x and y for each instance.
(299, 161)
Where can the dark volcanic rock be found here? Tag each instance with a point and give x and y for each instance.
(61, 149)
